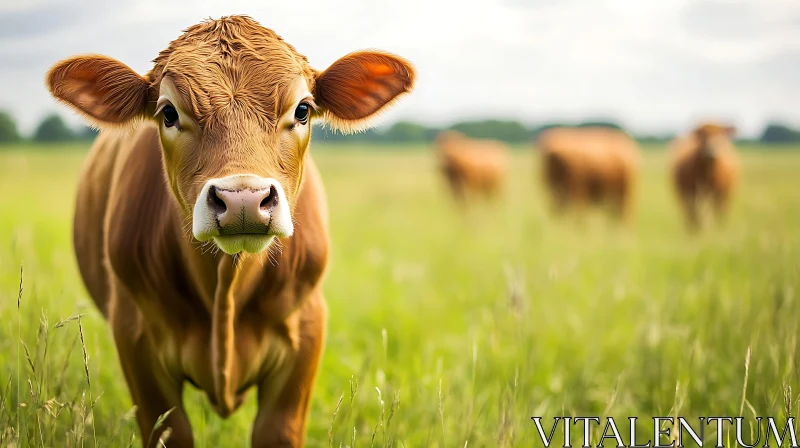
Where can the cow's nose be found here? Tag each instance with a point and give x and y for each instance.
(241, 211)
(245, 210)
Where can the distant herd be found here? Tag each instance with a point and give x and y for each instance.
(598, 167)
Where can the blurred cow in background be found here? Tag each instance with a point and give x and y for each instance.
(705, 169)
(589, 166)
(472, 166)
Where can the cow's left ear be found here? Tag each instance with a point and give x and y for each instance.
(360, 85)
(101, 88)
(730, 131)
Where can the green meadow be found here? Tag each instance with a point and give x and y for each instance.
(447, 327)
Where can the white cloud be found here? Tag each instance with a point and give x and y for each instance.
(653, 65)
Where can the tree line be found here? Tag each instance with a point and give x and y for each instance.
(53, 129)
(515, 132)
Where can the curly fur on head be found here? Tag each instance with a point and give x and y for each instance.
(709, 129)
(232, 66)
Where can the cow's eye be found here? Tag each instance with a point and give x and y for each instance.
(170, 116)
(301, 113)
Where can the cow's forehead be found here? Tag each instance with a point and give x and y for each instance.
(710, 129)
(229, 63)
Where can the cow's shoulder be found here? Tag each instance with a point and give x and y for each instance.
(91, 204)
(311, 239)
(141, 221)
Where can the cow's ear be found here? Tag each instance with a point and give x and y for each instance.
(101, 88)
(360, 85)
(730, 131)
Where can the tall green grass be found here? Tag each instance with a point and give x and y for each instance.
(445, 329)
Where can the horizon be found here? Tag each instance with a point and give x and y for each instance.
(78, 125)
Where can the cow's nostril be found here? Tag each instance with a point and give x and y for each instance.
(215, 202)
(271, 200)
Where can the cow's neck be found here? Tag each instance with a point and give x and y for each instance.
(204, 265)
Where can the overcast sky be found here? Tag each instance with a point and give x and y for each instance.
(655, 65)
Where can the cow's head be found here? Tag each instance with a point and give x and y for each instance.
(233, 104)
(712, 138)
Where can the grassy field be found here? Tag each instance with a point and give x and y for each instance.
(445, 329)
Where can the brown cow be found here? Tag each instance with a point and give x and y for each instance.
(472, 166)
(591, 165)
(705, 168)
(218, 149)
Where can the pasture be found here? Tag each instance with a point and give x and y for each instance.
(445, 329)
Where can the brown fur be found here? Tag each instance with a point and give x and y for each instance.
(472, 166)
(180, 311)
(585, 166)
(705, 169)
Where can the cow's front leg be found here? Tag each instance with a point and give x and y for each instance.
(720, 200)
(690, 201)
(151, 390)
(282, 413)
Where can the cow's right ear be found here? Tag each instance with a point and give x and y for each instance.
(361, 85)
(104, 89)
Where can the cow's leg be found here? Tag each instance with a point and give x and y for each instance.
(720, 201)
(282, 414)
(558, 187)
(490, 192)
(494, 194)
(579, 203)
(151, 390)
(624, 201)
(559, 203)
(457, 188)
(690, 201)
